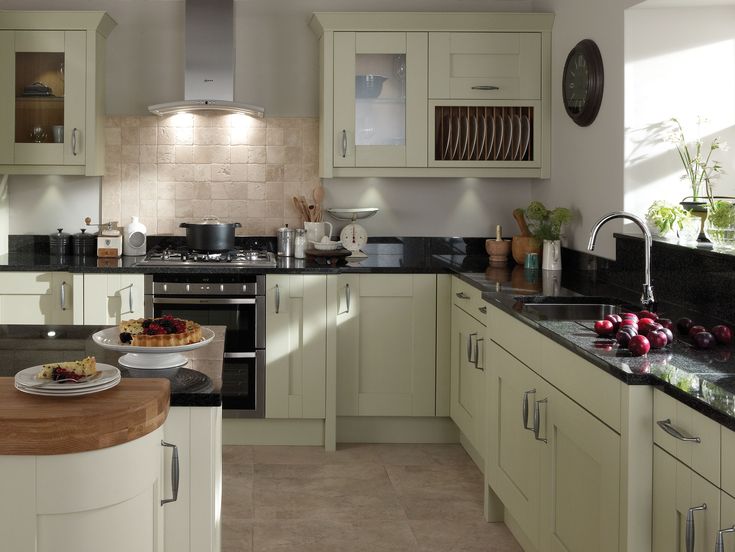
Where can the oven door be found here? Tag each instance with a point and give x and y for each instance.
(243, 385)
(244, 317)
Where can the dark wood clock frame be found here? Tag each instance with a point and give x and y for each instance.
(595, 82)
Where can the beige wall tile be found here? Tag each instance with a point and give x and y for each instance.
(165, 208)
(165, 225)
(148, 154)
(130, 135)
(166, 172)
(256, 190)
(130, 154)
(183, 154)
(165, 135)
(239, 172)
(113, 136)
(166, 190)
(202, 172)
(165, 153)
(239, 154)
(275, 154)
(274, 173)
(148, 135)
(274, 190)
(149, 175)
(274, 136)
(184, 190)
(256, 173)
(221, 173)
(202, 190)
(183, 208)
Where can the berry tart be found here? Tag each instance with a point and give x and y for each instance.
(166, 331)
(76, 369)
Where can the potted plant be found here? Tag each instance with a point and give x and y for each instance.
(668, 220)
(545, 225)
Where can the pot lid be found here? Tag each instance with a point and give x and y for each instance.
(209, 221)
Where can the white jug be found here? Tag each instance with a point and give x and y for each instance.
(315, 231)
(551, 255)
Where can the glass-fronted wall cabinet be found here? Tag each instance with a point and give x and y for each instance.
(374, 124)
(51, 92)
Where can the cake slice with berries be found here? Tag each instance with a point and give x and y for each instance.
(165, 331)
(75, 369)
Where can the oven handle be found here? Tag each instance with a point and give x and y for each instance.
(203, 301)
(240, 355)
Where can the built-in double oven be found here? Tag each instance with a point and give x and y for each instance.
(236, 301)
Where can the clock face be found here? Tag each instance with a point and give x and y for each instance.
(583, 82)
(353, 237)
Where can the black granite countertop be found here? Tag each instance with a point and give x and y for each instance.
(198, 383)
(704, 380)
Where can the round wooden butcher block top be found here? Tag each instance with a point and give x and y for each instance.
(31, 424)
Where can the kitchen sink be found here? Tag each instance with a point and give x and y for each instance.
(570, 308)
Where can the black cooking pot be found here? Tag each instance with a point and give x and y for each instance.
(210, 234)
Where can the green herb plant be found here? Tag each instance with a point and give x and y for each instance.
(667, 218)
(545, 224)
(721, 213)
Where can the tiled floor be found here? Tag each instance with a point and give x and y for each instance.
(408, 498)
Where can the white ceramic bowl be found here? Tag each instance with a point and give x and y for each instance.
(327, 246)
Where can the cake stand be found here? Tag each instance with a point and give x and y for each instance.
(148, 358)
(353, 236)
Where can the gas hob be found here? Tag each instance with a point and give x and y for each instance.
(183, 256)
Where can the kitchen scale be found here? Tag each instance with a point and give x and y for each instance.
(353, 236)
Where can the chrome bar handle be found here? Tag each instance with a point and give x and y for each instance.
(537, 420)
(469, 347)
(477, 354)
(174, 474)
(690, 526)
(485, 87)
(462, 295)
(278, 298)
(130, 297)
(63, 295)
(344, 143)
(347, 296)
(483, 310)
(676, 433)
(525, 408)
(74, 141)
(720, 544)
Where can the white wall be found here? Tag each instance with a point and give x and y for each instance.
(671, 71)
(277, 67)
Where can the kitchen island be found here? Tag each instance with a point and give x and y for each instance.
(109, 497)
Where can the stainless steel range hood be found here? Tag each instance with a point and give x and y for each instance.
(209, 82)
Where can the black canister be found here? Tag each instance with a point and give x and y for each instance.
(83, 244)
(59, 243)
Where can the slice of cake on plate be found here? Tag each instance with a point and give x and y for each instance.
(75, 369)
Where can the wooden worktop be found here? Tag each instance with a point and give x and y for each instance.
(35, 425)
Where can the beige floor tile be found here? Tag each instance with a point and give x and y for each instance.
(437, 482)
(237, 491)
(463, 536)
(314, 455)
(237, 536)
(237, 454)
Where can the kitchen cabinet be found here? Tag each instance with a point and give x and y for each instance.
(569, 447)
(422, 94)
(107, 499)
(467, 365)
(110, 298)
(52, 93)
(295, 360)
(680, 493)
(191, 524)
(37, 297)
(386, 345)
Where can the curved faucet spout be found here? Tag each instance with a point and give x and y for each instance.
(647, 297)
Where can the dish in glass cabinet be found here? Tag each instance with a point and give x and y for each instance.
(525, 136)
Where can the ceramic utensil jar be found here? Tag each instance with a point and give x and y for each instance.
(315, 231)
(552, 255)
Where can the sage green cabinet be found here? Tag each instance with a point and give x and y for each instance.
(110, 298)
(296, 333)
(52, 76)
(386, 345)
(39, 298)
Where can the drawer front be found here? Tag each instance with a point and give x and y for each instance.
(727, 460)
(702, 456)
(514, 336)
(26, 283)
(485, 65)
(469, 299)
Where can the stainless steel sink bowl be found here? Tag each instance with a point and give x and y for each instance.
(570, 308)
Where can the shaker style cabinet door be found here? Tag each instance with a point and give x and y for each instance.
(296, 346)
(680, 493)
(513, 462)
(386, 345)
(380, 99)
(110, 298)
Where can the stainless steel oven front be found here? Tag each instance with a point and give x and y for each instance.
(236, 302)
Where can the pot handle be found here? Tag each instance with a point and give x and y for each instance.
(236, 225)
(184, 225)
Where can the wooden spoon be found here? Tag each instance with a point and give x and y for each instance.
(318, 198)
(521, 220)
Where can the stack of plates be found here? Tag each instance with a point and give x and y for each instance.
(25, 380)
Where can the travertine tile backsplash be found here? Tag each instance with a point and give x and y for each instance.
(184, 167)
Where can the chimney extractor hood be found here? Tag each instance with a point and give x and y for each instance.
(209, 80)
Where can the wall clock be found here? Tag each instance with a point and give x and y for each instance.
(582, 82)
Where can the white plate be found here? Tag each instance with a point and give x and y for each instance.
(326, 246)
(44, 392)
(109, 338)
(27, 378)
(152, 362)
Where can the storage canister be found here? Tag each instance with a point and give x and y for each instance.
(299, 243)
(83, 244)
(285, 241)
(60, 243)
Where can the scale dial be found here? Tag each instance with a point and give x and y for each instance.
(353, 237)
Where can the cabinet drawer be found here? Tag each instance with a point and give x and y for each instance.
(469, 299)
(485, 65)
(514, 336)
(26, 283)
(703, 456)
